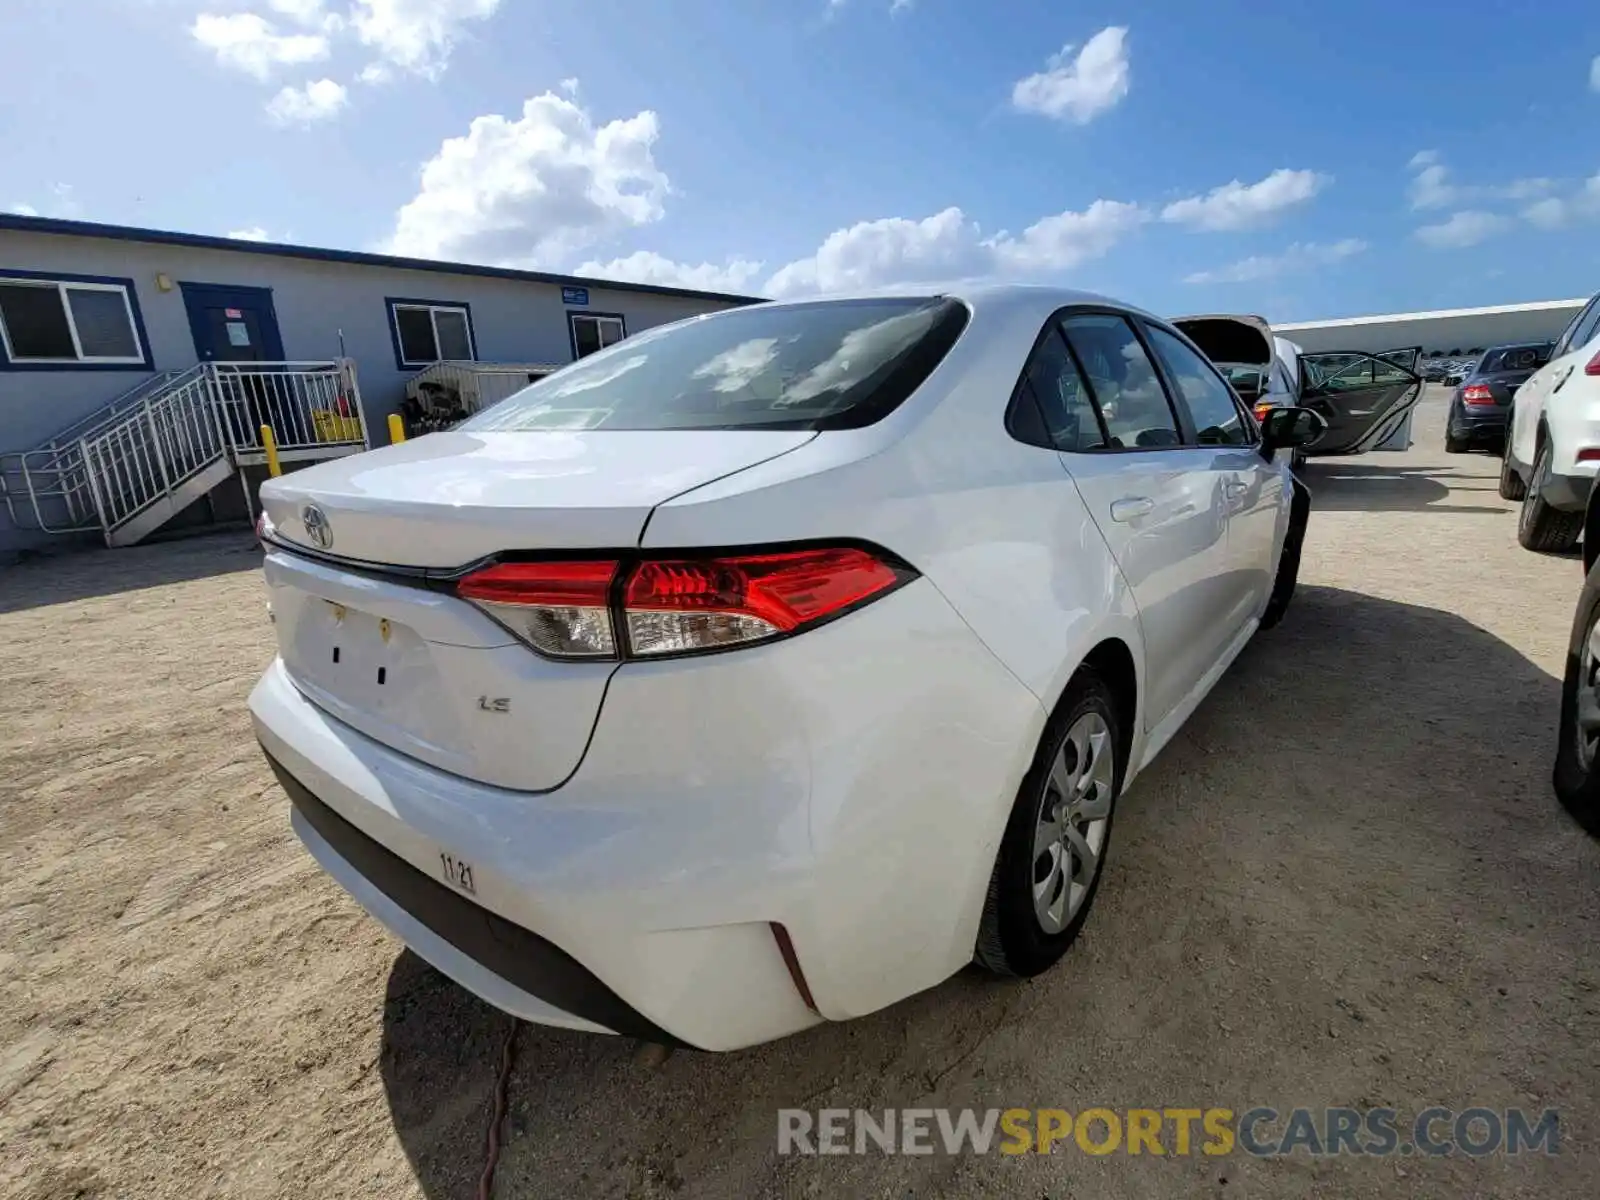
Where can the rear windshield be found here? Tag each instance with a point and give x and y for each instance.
(1514, 358)
(828, 364)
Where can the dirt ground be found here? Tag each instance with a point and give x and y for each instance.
(1346, 882)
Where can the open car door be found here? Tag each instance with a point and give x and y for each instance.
(1366, 399)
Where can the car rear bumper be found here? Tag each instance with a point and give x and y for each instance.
(1568, 493)
(849, 786)
(1479, 424)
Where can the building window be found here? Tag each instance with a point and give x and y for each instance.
(65, 322)
(427, 331)
(595, 331)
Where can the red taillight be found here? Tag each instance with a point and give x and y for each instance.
(1477, 394)
(676, 605)
(558, 608)
(1593, 366)
(1590, 454)
(1262, 410)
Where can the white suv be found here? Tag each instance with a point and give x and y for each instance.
(1553, 450)
(769, 667)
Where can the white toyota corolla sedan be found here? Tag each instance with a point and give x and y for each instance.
(766, 668)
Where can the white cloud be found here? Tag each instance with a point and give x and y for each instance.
(1238, 205)
(1466, 228)
(61, 204)
(1594, 74)
(23, 210)
(569, 85)
(315, 101)
(417, 35)
(1062, 241)
(249, 43)
(646, 266)
(948, 247)
(534, 190)
(1433, 187)
(253, 234)
(943, 247)
(1430, 187)
(1078, 87)
(1301, 256)
(308, 12)
(1553, 212)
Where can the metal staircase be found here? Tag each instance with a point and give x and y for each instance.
(135, 463)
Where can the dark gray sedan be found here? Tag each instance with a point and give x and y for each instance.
(1481, 403)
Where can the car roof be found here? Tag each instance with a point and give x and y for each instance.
(1518, 346)
(1013, 299)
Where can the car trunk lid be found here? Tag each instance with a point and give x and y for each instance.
(1230, 340)
(451, 498)
(370, 630)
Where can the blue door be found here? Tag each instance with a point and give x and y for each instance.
(232, 324)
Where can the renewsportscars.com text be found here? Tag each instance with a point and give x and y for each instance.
(1262, 1132)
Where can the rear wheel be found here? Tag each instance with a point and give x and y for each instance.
(1049, 866)
(1511, 485)
(1577, 775)
(1541, 527)
(1454, 445)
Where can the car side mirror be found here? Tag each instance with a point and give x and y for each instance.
(1290, 429)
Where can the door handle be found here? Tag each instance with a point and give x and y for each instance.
(1131, 508)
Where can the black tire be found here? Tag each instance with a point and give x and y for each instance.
(1288, 575)
(1540, 527)
(1453, 445)
(1577, 782)
(1011, 940)
(1511, 485)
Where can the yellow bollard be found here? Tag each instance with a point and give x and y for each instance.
(397, 429)
(270, 445)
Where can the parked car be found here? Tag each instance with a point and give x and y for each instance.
(1434, 371)
(1553, 450)
(1481, 403)
(1365, 400)
(771, 666)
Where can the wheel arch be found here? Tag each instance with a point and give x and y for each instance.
(1112, 660)
(1591, 531)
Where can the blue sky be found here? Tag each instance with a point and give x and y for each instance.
(1295, 159)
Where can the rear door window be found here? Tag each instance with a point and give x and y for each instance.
(1052, 382)
(1124, 382)
(1585, 330)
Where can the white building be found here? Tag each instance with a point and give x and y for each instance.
(1447, 331)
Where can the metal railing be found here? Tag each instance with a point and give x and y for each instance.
(47, 488)
(309, 405)
(451, 390)
(135, 462)
(148, 442)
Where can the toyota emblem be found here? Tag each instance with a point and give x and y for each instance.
(317, 527)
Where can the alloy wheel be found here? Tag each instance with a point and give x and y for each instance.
(1070, 828)
(1586, 708)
